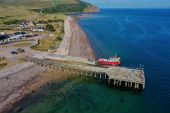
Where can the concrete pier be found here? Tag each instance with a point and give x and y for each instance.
(116, 76)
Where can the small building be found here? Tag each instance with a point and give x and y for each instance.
(38, 29)
(52, 35)
(16, 36)
(41, 25)
(12, 37)
(3, 37)
(26, 25)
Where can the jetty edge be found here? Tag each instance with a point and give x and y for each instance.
(115, 75)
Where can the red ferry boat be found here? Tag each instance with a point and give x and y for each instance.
(111, 61)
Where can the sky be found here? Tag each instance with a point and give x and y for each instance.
(131, 3)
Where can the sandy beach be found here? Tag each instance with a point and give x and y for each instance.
(75, 42)
(19, 80)
(13, 80)
(16, 84)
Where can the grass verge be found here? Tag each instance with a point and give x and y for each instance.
(24, 44)
(43, 44)
(2, 62)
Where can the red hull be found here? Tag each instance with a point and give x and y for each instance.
(111, 61)
(108, 63)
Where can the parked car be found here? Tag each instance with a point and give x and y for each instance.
(14, 52)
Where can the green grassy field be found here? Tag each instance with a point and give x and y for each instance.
(23, 44)
(2, 62)
(19, 10)
(64, 6)
(15, 13)
(51, 43)
(44, 44)
(65, 1)
(30, 3)
(27, 9)
(18, 13)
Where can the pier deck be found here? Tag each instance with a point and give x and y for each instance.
(117, 76)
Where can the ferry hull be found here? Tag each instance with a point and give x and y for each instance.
(108, 63)
(111, 61)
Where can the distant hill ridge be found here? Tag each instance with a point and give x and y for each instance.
(26, 2)
(53, 6)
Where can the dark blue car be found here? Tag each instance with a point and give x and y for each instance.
(14, 52)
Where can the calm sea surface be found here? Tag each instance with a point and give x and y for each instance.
(139, 37)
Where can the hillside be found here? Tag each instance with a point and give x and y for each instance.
(30, 3)
(52, 6)
(64, 6)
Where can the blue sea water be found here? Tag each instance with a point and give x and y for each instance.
(138, 36)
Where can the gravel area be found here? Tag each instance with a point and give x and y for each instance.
(13, 79)
(75, 42)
